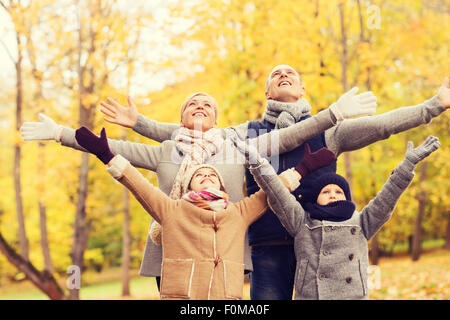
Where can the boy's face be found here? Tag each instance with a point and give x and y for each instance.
(204, 178)
(329, 194)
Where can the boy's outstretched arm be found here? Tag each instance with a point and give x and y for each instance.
(379, 209)
(278, 188)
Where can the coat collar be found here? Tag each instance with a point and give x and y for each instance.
(314, 223)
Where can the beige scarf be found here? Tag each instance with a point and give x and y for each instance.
(197, 147)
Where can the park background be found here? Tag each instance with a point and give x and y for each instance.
(60, 208)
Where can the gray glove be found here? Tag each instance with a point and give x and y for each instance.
(414, 155)
(251, 155)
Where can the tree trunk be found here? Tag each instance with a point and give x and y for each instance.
(81, 230)
(48, 264)
(422, 199)
(126, 248)
(126, 243)
(23, 240)
(80, 238)
(374, 251)
(43, 280)
(344, 83)
(447, 237)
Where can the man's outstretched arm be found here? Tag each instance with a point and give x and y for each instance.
(354, 134)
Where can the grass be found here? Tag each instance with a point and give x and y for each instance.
(403, 279)
(400, 278)
(426, 245)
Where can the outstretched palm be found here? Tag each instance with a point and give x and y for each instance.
(117, 114)
(444, 93)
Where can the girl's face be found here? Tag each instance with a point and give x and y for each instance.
(329, 194)
(204, 178)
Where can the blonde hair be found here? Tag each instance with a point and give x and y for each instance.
(189, 98)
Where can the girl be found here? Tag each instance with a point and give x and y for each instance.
(330, 235)
(203, 234)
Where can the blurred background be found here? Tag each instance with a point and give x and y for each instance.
(58, 208)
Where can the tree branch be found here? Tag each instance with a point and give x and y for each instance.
(7, 51)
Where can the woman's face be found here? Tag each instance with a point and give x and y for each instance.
(199, 114)
(204, 178)
(329, 194)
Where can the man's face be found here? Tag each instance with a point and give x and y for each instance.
(330, 193)
(204, 178)
(199, 114)
(284, 84)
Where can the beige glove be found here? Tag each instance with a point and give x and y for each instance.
(290, 179)
(155, 233)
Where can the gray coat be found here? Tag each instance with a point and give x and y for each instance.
(165, 161)
(332, 257)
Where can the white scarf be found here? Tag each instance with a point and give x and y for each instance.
(197, 147)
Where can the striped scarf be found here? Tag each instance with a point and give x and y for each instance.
(208, 199)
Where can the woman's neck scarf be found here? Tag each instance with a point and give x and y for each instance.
(197, 147)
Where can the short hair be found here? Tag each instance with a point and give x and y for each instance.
(189, 98)
(268, 77)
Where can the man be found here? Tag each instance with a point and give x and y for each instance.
(272, 247)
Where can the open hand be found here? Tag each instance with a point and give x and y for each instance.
(414, 155)
(351, 104)
(444, 93)
(118, 114)
(45, 129)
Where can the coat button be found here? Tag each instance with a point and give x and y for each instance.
(353, 230)
(351, 256)
(322, 276)
(216, 262)
(327, 229)
(326, 253)
(215, 226)
(348, 279)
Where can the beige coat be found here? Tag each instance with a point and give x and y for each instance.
(203, 250)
